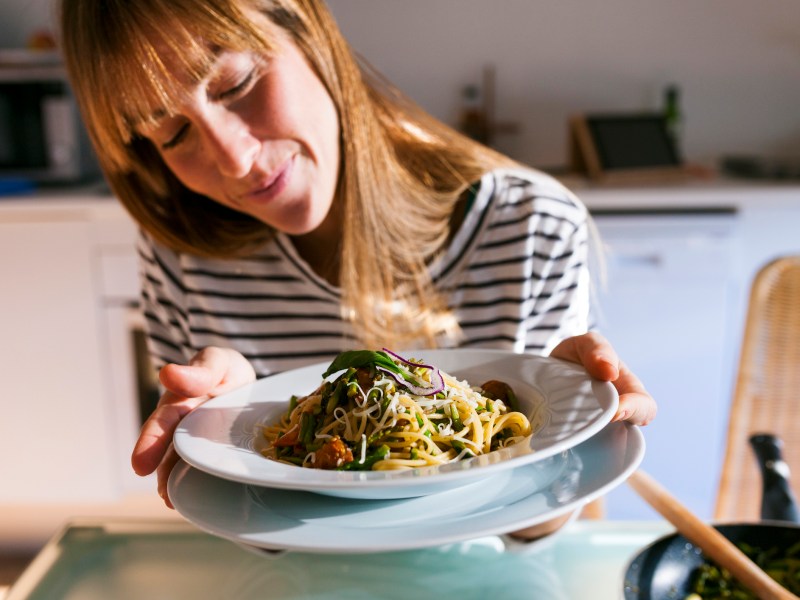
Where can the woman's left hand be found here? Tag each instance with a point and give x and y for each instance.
(595, 354)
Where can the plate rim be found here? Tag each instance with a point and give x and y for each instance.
(361, 481)
(633, 452)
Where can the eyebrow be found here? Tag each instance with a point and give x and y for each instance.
(202, 72)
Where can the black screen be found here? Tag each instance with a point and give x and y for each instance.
(631, 142)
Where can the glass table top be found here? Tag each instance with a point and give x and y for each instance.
(173, 560)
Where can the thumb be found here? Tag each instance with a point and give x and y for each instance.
(205, 371)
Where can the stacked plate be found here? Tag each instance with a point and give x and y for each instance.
(226, 487)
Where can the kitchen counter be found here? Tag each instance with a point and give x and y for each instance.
(93, 200)
(688, 196)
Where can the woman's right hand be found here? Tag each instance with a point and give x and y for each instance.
(211, 372)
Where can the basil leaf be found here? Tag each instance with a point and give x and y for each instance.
(361, 358)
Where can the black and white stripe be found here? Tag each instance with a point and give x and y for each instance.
(516, 276)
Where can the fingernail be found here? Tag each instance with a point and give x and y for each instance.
(611, 366)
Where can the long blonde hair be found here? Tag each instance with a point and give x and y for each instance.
(402, 171)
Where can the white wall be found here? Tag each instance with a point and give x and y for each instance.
(737, 62)
(20, 18)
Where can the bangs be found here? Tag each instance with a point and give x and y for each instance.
(140, 44)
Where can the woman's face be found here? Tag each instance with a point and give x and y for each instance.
(259, 135)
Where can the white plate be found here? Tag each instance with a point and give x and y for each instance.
(510, 500)
(221, 436)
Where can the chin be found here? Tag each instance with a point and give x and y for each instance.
(307, 223)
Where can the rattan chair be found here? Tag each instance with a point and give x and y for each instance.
(767, 393)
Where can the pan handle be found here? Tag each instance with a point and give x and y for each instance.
(777, 502)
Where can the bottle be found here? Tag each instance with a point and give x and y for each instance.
(473, 121)
(673, 114)
(778, 501)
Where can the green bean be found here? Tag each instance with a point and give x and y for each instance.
(379, 454)
(292, 405)
(336, 396)
(306, 428)
(461, 447)
(457, 425)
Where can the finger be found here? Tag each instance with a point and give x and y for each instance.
(156, 434)
(593, 352)
(638, 409)
(636, 405)
(171, 458)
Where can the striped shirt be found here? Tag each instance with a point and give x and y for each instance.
(515, 276)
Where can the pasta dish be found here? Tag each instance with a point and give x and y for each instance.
(386, 412)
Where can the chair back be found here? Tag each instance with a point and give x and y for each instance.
(767, 390)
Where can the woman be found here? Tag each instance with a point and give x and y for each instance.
(293, 204)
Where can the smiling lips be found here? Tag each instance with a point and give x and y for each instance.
(273, 185)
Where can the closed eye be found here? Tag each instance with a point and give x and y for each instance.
(177, 138)
(239, 88)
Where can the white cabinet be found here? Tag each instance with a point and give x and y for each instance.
(675, 311)
(54, 430)
(59, 432)
(666, 310)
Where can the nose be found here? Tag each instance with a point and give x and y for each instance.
(230, 143)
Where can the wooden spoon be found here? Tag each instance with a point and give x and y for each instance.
(713, 544)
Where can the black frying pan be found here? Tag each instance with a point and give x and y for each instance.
(665, 569)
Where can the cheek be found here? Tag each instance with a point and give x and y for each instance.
(326, 129)
(192, 172)
(307, 104)
(183, 169)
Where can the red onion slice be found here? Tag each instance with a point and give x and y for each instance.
(437, 381)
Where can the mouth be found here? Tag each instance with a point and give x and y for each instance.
(271, 186)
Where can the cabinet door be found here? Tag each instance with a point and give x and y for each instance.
(55, 433)
(666, 311)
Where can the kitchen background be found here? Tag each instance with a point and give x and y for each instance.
(737, 65)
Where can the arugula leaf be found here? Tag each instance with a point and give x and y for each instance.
(361, 358)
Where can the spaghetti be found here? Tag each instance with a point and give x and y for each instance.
(385, 412)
